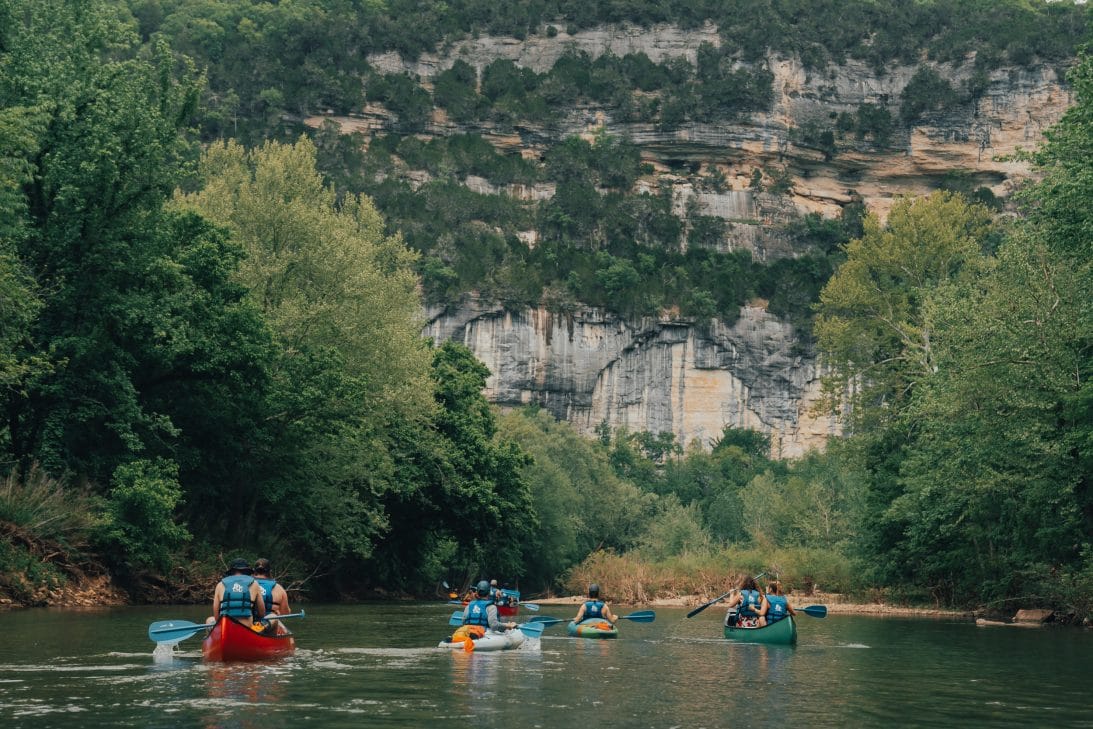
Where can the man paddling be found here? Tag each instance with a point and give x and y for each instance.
(237, 595)
(273, 595)
(481, 615)
(594, 607)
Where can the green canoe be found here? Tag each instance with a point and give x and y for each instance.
(784, 632)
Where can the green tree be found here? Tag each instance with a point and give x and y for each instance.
(582, 504)
(872, 325)
(137, 318)
(352, 371)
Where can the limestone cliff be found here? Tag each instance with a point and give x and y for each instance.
(668, 374)
(660, 375)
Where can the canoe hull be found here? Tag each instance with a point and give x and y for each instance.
(784, 632)
(230, 640)
(489, 642)
(591, 629)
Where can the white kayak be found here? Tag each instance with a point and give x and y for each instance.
(491, 641)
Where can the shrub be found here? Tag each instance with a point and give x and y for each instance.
(140, 514)
(925, 93)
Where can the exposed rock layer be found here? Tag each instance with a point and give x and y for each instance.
(665, 375)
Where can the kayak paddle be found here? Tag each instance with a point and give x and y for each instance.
(717, 599)
(530, 606)
(815, 611)
(642, 616)
(173, 631)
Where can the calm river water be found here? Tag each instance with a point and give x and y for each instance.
(377, 666)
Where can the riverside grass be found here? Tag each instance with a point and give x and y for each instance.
(631, 578)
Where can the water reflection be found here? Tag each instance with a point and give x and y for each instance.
(236, 685)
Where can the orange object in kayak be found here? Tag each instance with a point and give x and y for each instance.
(231, 640)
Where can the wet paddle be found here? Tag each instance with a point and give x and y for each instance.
(173, 631)
(717, 599)
(815, 611)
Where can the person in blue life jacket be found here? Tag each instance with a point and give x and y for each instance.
(747, 606)
(778, 606)
(273, 595)
(237, 595)
(482, 611)
(594, 607)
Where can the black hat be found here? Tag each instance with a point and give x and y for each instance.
(239, 565)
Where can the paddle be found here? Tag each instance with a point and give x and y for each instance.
(815, 611)
(173, 631)
(642, 616)
(530, 606)
(717, 599)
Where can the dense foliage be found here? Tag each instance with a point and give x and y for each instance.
(211, 351)
(972, 426)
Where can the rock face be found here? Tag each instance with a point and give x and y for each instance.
(668, 375)
(654, 375)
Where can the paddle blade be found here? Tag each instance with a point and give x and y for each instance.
(642, 616)
(816, 611)
(533, 630)
(456, 619)
(172, 631)
(530, 606)
(700, 608)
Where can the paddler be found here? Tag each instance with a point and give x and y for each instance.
(480, 615)
(594, 607)
(273, 595)
(237, 595)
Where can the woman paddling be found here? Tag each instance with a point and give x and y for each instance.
(778, 606)
(747, 606)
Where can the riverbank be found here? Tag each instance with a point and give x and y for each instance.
(835, 604)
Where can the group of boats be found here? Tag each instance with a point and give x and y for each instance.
(230, 640)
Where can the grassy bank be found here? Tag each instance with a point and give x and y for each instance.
(633, 579)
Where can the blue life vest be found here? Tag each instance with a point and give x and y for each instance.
(750, 603)
(266, 585)
(476, 613)
(779, 608)
(236, 602)
(593, 609)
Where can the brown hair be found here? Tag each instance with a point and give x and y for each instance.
(748, 583)
(774, 587)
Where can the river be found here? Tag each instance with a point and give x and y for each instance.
(377, 665)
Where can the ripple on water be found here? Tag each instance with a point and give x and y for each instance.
(53, 668)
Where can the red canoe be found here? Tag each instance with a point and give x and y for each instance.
(230, 640)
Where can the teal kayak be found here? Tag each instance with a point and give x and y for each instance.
(592, 628)
(784, 632)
